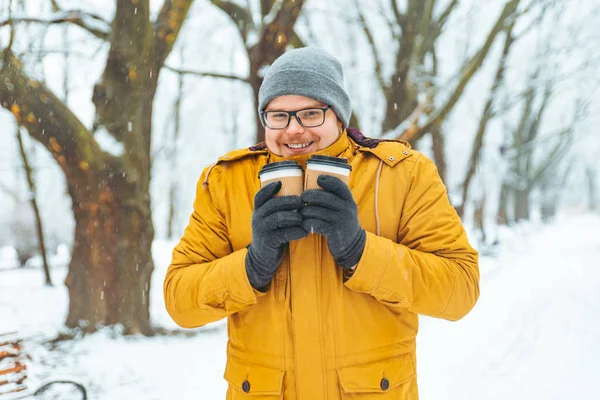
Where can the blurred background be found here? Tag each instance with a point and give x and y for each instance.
(111, 110)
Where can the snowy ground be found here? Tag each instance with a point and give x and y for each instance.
(535, 333)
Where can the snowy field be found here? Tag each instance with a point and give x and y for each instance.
(534, 334)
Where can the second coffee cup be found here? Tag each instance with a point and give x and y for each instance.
(288, 172)
(325, 165)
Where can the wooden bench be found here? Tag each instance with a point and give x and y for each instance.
(14, 380)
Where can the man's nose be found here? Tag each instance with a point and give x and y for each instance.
(294, 126)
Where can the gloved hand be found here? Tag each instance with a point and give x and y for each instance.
(333, 213)
(275, 222)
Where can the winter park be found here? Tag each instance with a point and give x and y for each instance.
(299, 199)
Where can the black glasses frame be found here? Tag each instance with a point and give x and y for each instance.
(290, 114)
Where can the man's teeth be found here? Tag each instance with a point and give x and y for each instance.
(298, 145)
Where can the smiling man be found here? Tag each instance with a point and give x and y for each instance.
(330, 315)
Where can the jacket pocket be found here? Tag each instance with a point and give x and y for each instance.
(393, 378)
(253, 382)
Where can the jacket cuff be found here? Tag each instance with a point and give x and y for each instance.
(236, 279)
(372, 265)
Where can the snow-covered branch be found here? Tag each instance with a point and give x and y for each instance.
(92, 23)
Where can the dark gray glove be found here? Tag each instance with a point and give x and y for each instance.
(275, 222)
(333, 213)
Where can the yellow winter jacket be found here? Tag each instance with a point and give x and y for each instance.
(316, 334)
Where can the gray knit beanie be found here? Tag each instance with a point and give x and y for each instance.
(308, 72)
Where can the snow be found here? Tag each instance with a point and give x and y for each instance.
(534, 334)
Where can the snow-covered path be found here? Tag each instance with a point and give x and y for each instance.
(534, 334)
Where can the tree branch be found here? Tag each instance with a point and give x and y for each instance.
(76, 17)
(441, 22)
(549, 162)
(296, 41)
(371, 40)
(487, 115)
(206, 74)
(240, 16)
(471, 67)
(276, 35)
(400, 18)
(167, 27)
(390, 23)
(265, 7)
(48, 120)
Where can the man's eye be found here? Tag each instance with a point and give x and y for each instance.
(310, 113)
(279, 116)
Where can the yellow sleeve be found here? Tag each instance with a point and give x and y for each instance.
(206, 280)
(434, 270)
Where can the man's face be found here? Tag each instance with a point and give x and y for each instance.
(297, 139)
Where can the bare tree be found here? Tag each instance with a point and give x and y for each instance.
(526, 171)
(111, 263)
(410, 92)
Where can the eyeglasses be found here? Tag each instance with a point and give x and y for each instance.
(308, 118)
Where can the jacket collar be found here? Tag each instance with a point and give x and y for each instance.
(390, 155)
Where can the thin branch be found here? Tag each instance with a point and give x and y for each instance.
(487, 114)
(75, 17)
(550, 161)
(369, 35)
(384, 14)
(55, 6)
(205, 74)
(34, 206)
(400, 18)
(441, 22)
(12, 30)
(534, 23)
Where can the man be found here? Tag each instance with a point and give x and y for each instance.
(332, 314)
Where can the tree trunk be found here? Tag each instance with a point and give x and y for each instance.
(502, 214)
(479, 219)
(111, 264)
(521, 204)
(549, 200)
(591, 175)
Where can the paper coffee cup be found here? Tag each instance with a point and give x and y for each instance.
(290, 174)
(325, 165)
